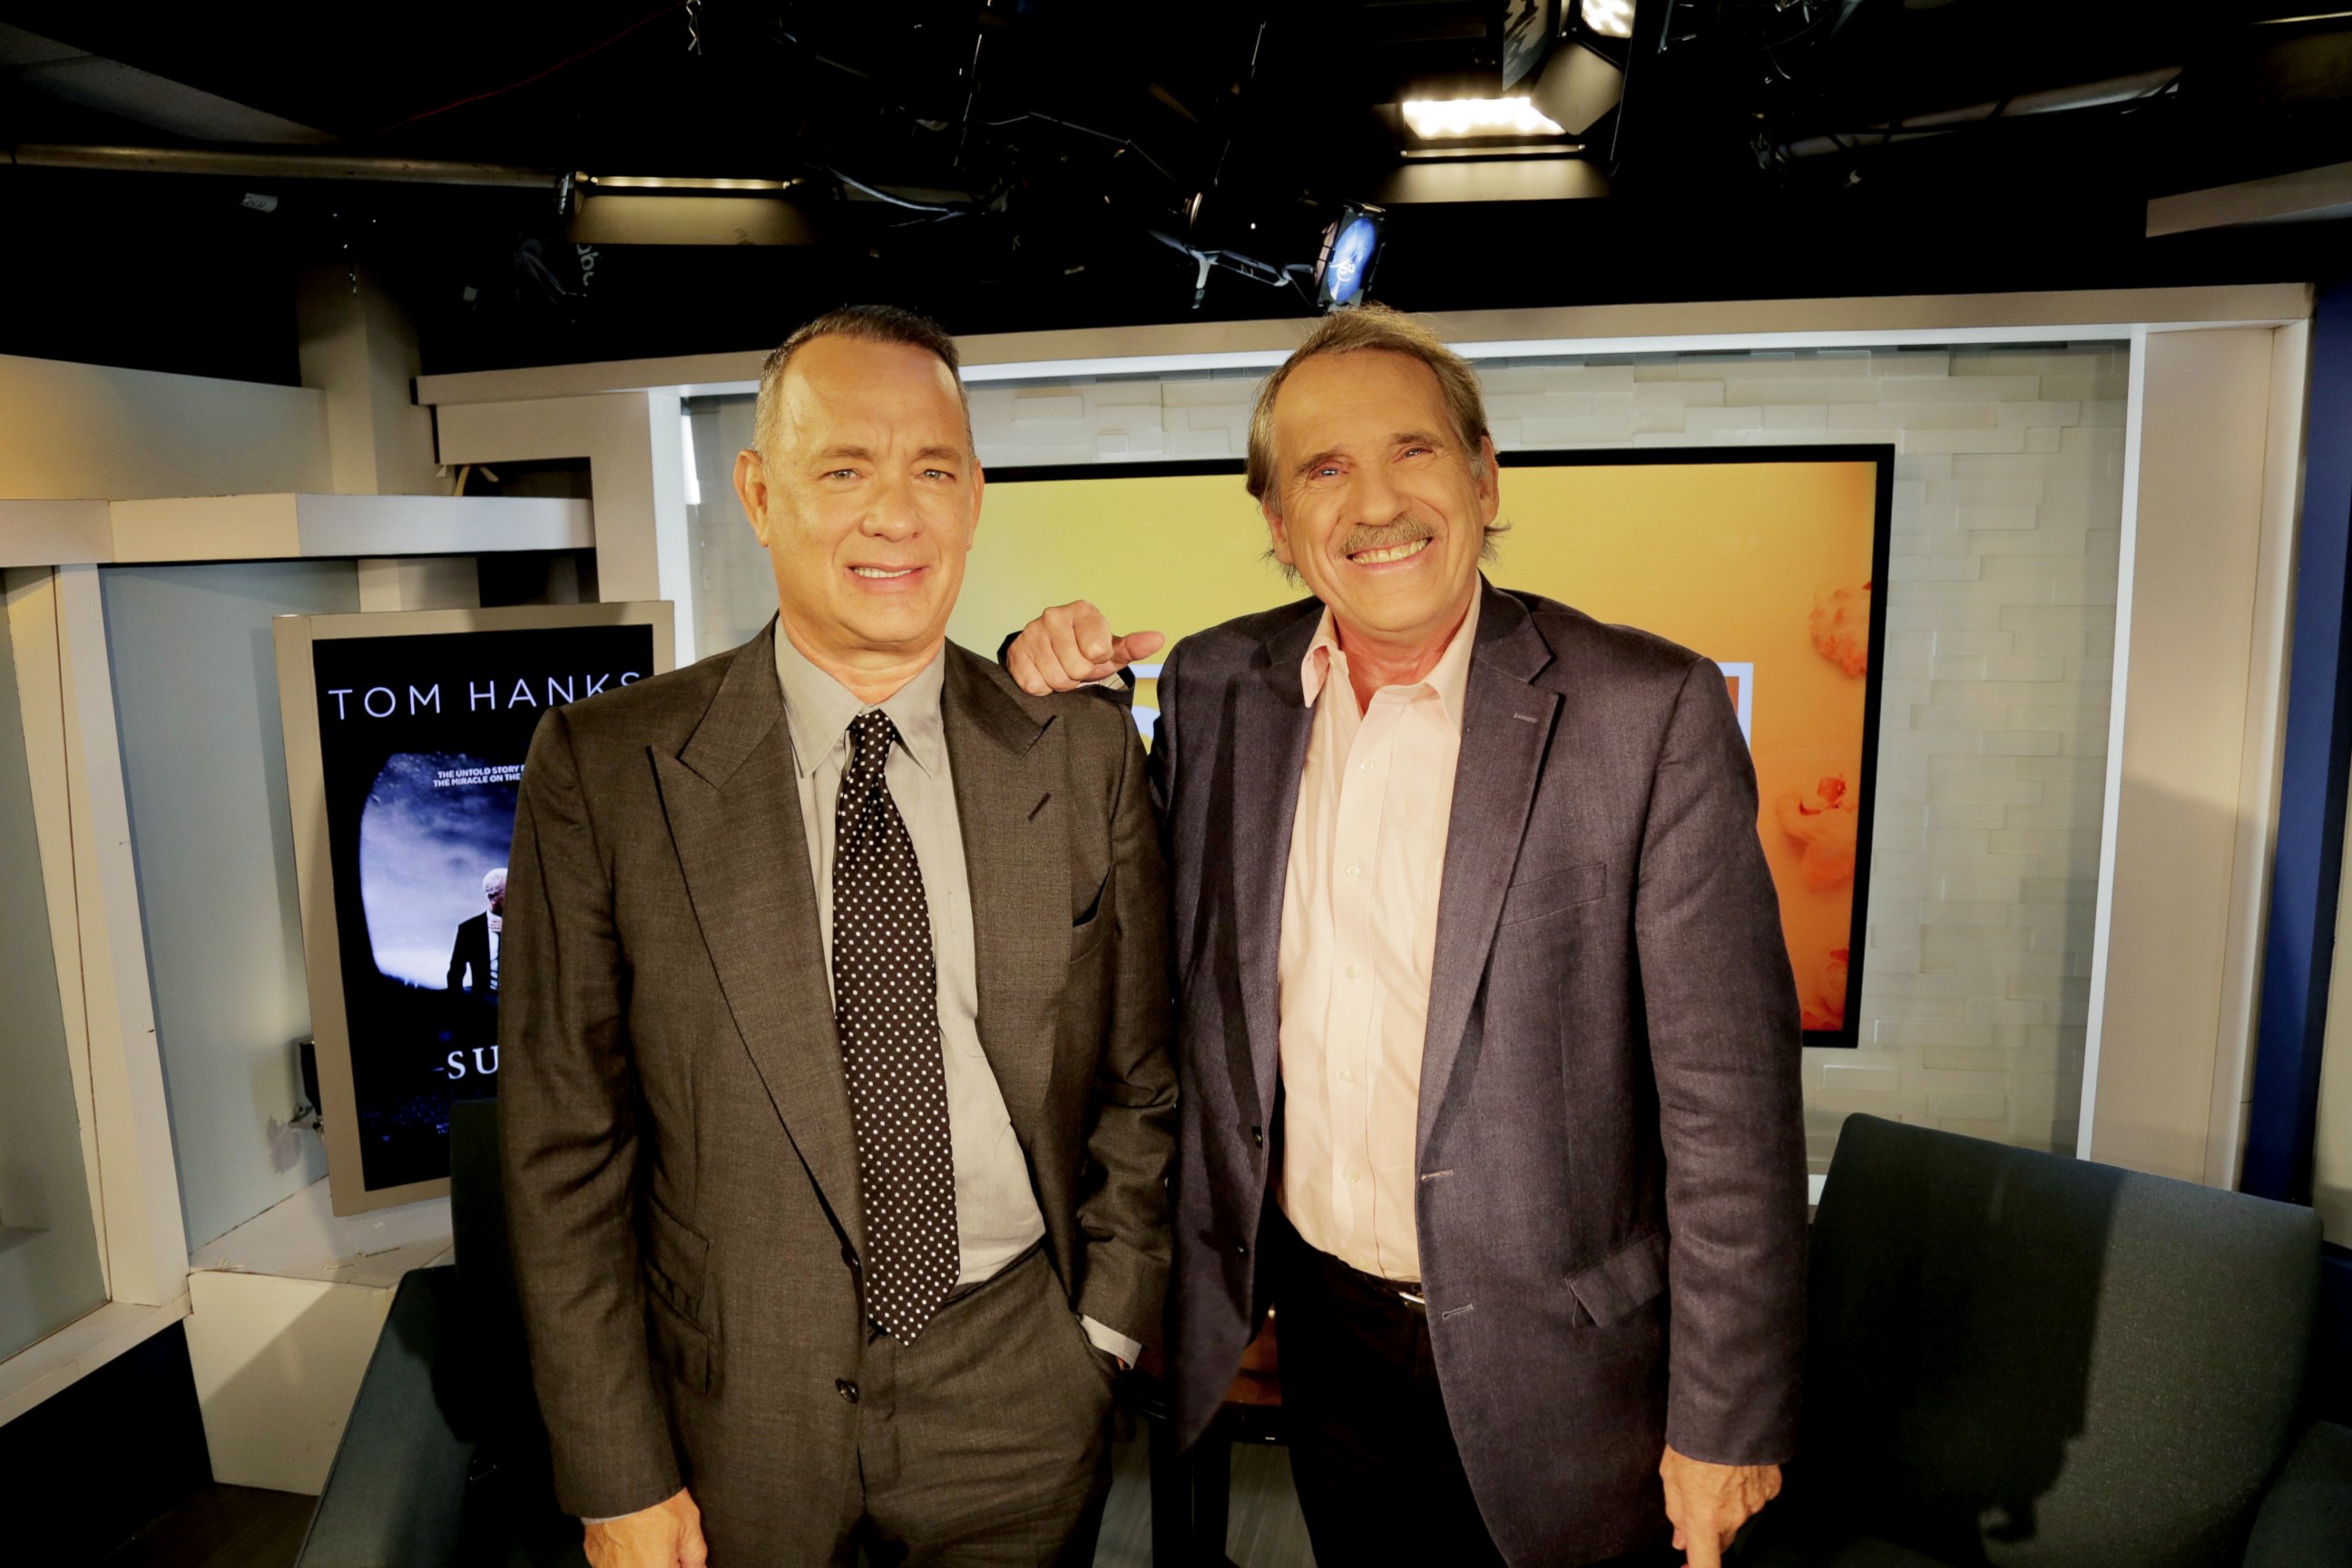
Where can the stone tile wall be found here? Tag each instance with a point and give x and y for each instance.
(1999, 663)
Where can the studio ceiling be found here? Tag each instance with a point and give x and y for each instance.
(1066, 163)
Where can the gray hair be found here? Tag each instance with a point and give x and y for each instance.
(1348, 331)
(866, 325)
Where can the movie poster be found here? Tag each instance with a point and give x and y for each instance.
(420, 741)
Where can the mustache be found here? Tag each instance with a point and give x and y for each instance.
(1387, 536)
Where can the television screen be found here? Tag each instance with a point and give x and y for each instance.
(405, 740)
(1764, 558)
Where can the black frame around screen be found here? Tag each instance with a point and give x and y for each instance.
(1881, 455)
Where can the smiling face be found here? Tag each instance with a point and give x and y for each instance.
(866, 501)
(1375, 499)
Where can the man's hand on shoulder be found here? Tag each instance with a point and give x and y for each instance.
(1071, 646)
(1708, 1503)
(667, 1535)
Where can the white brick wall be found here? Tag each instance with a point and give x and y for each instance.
(1999, 663)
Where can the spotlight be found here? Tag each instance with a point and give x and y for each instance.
(1610, 18)
(1351, 248)
(1447, 120)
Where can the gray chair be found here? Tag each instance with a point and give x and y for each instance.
(444, 1459)
(2033, 1362)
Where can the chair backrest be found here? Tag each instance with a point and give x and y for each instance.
(2021, 1359)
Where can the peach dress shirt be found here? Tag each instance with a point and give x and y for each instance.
(1358, 934)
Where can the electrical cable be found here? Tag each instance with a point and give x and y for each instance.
(1086, 131)
(640, 23)
(882, 195)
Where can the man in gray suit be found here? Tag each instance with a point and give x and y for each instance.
(1488, 1033)
(838, 1103)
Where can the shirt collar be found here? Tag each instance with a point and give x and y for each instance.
(1449, 678)
(818, 708)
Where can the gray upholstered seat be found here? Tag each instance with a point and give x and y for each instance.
(2021, 1358)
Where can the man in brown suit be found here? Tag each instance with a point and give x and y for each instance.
(836, 1166)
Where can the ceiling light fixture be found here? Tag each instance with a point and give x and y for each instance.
(699, 186)
(1441, 119)
(1610, 18)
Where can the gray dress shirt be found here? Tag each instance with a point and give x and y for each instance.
(996, 1210)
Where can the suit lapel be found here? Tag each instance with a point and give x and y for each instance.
(734, 815)
(1272, 724)
(1506, 725)
(1011, 807)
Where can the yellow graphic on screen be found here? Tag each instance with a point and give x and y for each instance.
(1764, 567)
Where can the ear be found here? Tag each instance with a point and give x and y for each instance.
(751, 490)
(1272, 509)
(1489, 482)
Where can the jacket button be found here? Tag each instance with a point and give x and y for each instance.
(846, 1388)
(1257, 1136)
(849, 1258)
(1242, 1249)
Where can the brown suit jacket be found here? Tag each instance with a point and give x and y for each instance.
(680, 1163)
(1612, 1195)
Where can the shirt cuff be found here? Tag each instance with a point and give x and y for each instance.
(1110, 1342)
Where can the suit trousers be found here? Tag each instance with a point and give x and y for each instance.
(1378, 1479)
(986, 1441)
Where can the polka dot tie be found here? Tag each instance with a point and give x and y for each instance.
(886, 1008)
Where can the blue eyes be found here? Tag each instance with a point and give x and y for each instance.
(1327, 470)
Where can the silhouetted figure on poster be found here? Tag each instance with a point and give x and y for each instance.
(474, 964)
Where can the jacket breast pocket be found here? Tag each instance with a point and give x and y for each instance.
(1624, 1282)
(1550, 892)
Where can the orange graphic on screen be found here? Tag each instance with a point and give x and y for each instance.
(1826, 822)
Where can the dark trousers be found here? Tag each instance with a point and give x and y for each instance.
(987, 1440)
(1378, 1479)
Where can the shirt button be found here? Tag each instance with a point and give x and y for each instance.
(1354, 973)
(846, 1388)
(1348, 1075)
(1363, 767)
(1354, 1176)
(1354, 869)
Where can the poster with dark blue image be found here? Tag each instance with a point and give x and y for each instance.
(422, 740)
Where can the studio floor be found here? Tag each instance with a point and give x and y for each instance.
(241, 1527)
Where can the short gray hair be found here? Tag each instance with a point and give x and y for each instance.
(867, 324)
(1369, 327)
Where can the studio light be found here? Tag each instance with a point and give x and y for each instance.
(1446, 119)
(1352, 248)
(1610, 18)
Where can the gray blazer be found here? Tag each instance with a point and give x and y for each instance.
(1612, 1195)
(681, 1168)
